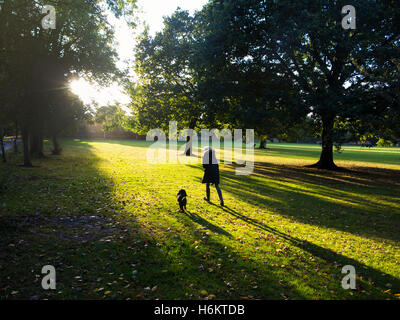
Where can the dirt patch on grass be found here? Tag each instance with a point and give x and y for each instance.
(81, 228)
(85, 228)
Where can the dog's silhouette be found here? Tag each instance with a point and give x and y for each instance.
(181, 197)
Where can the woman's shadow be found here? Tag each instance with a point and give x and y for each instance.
(196, 218)
(326, 254)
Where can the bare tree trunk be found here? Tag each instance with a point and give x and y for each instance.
(3, 150)
(56, 146)
(189, 146)
(16, 138)
(189, 140)
(326, 159)
(263, 144)
(36, 144)
(25, 140)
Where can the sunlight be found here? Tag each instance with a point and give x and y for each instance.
(153, 11)
(83, 90)
(91, 94)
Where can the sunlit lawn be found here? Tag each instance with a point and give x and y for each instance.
(109, 222)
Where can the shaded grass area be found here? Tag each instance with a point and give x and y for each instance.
(108, 221)
(357, 155)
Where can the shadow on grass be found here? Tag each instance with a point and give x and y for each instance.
(327, 255)
(208, 225)
(361, 176)
(123, 255)
(66, 214)
(309, 152)
(347, 201)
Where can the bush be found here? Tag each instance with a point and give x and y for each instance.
(384, 143)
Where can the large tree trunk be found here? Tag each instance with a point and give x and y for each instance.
(189, 146)
(16, 138)
(25, 141)
(56, 146)
(326, 159)
(36, 144)
(3, 150)
(189, 140)
(263, 144)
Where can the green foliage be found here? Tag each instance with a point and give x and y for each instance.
(304, 131)
(111, 118)
(36, 64)
(384, 143)
(269, 64)
(330, 73)
(167, 88)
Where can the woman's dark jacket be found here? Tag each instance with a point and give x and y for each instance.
(211, 170)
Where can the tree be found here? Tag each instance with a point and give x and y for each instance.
(81, 44)
(328, 72)
(2, 149)
(167, 90)
(235, 87)
(111, 118)
(65, 110)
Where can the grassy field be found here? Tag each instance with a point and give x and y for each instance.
(109, 223)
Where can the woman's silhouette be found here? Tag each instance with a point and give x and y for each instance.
(211, 173)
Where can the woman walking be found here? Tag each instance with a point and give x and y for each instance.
(211, 173)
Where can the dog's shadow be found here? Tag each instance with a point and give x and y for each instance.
(196, 218)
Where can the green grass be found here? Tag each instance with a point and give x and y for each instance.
(109, 222)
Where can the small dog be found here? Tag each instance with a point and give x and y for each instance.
(181, 197)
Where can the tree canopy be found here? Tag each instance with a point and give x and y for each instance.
(36, 64)
(167, 89)
(269, 64)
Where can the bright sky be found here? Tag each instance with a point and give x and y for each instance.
(151, 12)
(154, 10)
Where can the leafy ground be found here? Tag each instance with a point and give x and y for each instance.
(109, 223)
